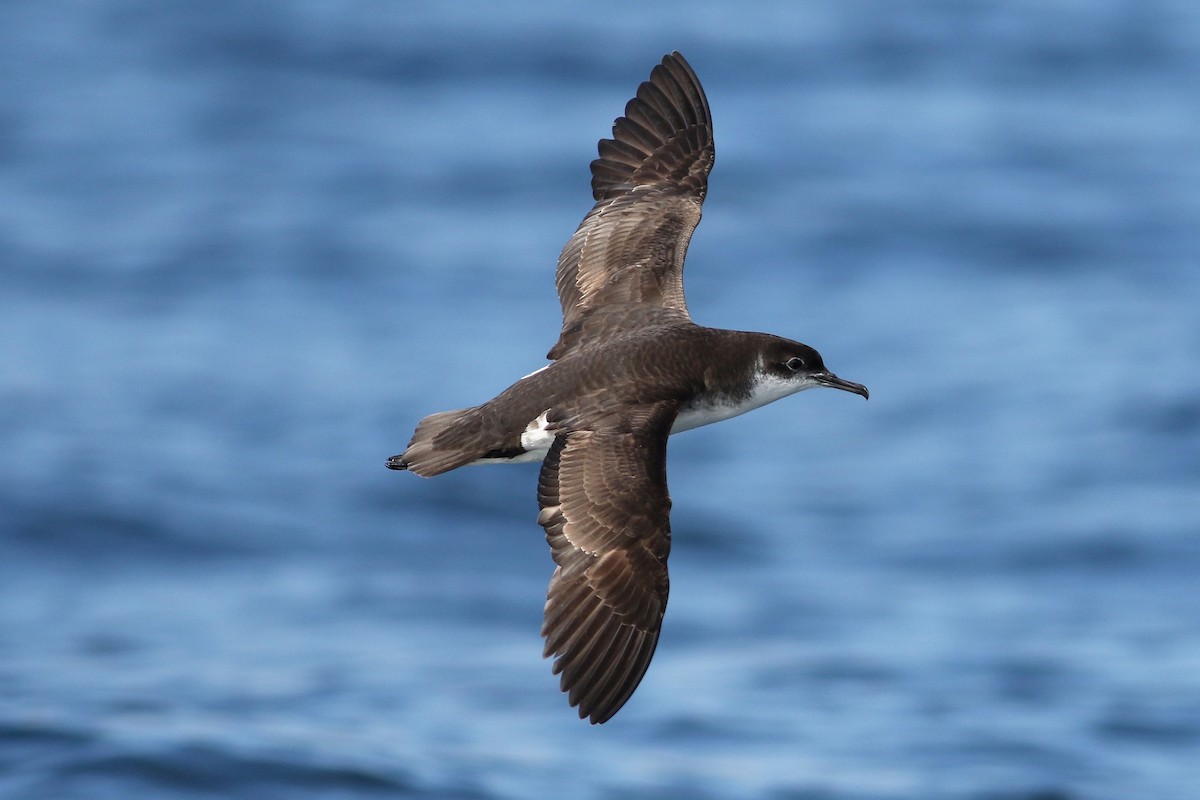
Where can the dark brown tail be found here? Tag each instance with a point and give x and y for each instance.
(442, 442)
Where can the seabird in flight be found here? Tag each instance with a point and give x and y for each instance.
(629, 369)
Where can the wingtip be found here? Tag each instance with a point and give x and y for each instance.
(677, 57)
(595, 719)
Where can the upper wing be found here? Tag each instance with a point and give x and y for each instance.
(623, 267)
(605, 508)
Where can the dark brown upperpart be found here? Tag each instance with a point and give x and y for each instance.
(672, 363)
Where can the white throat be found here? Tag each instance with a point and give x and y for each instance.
(767, 389)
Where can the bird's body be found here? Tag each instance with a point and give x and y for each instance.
(704, 375)
(629, 369)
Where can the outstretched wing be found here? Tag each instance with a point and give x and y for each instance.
(623, 267)
(605, 508)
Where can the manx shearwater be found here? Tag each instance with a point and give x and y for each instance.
(629, 369)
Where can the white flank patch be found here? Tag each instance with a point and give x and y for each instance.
(536, 437)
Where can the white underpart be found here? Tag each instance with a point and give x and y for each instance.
(767, 389)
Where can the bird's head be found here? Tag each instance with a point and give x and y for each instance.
(795, 366)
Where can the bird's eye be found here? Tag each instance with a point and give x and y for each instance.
(795, 364)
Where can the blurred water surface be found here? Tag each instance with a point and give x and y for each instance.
(245, 246)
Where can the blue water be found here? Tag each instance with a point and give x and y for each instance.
(245, 246)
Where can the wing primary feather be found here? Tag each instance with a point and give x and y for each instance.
(620, 690)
